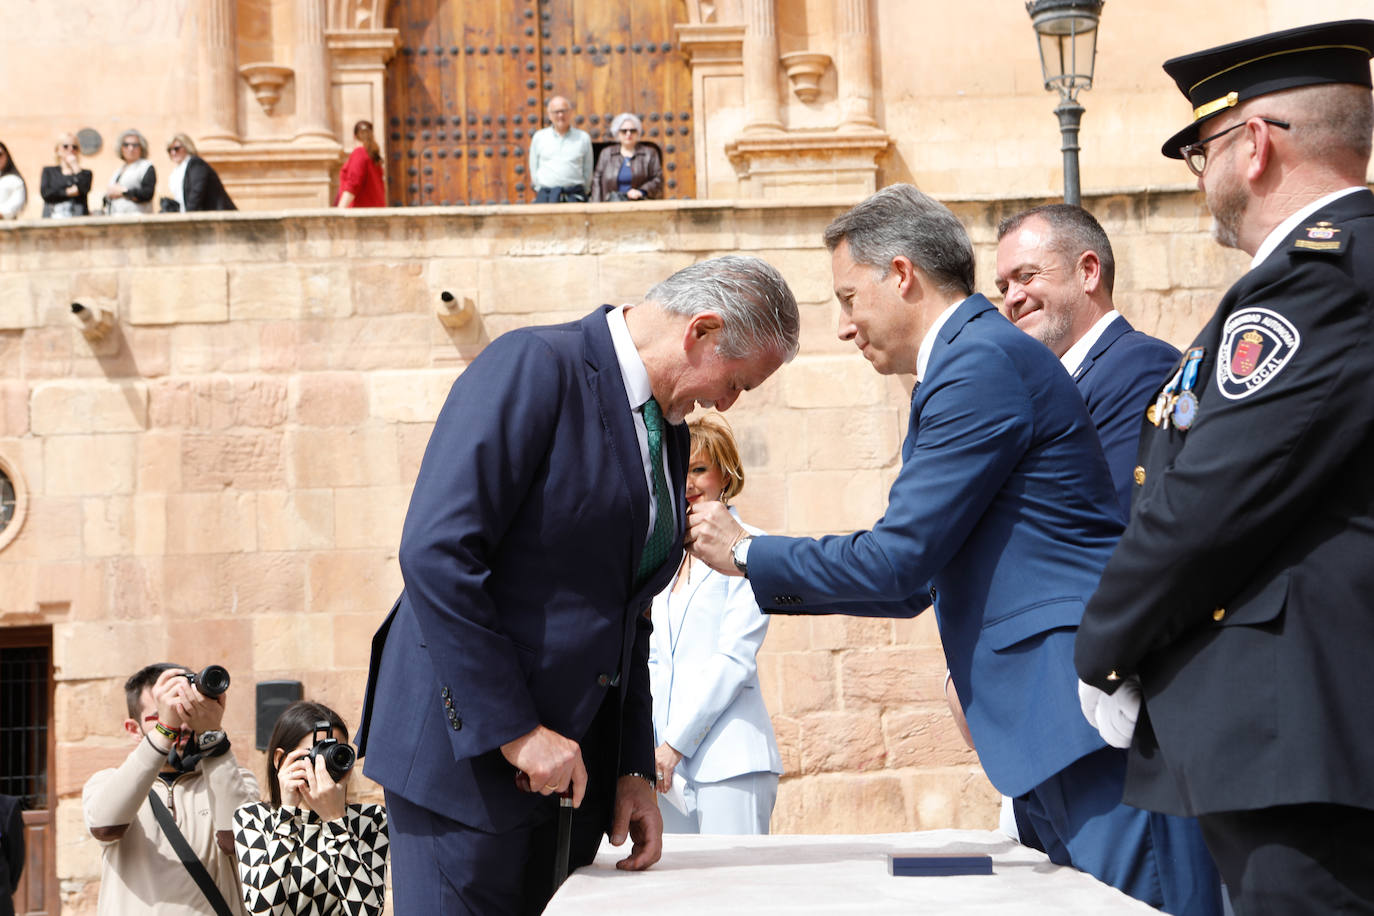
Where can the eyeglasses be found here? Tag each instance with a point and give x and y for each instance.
(175, 148)
(130, 143)
(629, 130)
(1195, 154)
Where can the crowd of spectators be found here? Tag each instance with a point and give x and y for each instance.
(560, 167)
(65, 186)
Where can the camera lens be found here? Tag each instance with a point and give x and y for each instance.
(213, 681)
(339, 759)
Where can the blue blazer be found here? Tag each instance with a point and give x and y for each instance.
(1002, 515)
(518, 557)
(1119, 378)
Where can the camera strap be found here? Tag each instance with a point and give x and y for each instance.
(194, 866)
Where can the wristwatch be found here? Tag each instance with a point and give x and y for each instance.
(209, 739)
(739, 552)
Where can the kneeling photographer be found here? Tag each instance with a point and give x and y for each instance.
(308, 850)
(164, 817)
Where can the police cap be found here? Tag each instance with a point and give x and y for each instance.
(1220, 78)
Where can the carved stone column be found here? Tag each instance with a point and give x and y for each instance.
(312, 71)
(854, 66)
(219, 109)
(760, 54)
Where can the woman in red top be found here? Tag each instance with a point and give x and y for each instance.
(360, 182)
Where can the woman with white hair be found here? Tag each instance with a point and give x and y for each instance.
(629, 170)
(132, 185)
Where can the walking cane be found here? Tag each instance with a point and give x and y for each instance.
(560, 859)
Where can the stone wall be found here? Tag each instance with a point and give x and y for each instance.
(223, 477)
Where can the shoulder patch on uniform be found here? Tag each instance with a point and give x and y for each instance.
(1256, 344)
(1322, 237)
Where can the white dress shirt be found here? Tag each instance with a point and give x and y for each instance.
(1073, 357)
(638, 391)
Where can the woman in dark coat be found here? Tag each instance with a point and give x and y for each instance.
(194, 184)
(64, 186)
(630, 170)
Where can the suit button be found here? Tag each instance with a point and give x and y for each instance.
(1139, 475)
(1218, 614)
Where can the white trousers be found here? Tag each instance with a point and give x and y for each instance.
(741, 804)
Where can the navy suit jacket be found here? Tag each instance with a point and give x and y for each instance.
(518, 556)
(1118, 379)
(1003, 515)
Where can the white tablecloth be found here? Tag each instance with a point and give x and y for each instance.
(723, 875)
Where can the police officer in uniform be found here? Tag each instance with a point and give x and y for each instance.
(1234, 625)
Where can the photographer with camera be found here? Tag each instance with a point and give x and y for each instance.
(163, 818)
(308, 850)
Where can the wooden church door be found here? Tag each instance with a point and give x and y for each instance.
(470, 83)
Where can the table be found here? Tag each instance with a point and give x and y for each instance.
(724, 875)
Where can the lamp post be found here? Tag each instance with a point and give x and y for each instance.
(1067, 30)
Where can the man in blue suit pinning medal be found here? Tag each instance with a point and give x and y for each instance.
(547, 513)
(1001, 517)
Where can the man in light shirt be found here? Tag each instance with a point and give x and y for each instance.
(560, 158)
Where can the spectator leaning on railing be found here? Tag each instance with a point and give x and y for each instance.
(13, 192)
(64, 186)
(193, 185)
(133, 184)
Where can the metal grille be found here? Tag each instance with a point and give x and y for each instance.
(24, 724)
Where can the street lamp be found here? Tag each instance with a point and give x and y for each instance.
(1067, 30)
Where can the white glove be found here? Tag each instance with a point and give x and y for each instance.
(1113, 715)
(1088, 699)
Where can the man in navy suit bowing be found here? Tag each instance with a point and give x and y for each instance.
(1056, 272)
(1002, 516)
(547, 513)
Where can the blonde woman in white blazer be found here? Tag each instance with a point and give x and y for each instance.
(718, 762)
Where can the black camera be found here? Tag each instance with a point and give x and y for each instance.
(339, 756)
(211, 682)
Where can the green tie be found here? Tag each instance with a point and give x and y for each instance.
(661, 539)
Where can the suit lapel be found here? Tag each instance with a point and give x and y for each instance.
(1114, 331)
(612, 403)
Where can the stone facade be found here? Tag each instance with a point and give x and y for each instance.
(223, 477)
(789, 99)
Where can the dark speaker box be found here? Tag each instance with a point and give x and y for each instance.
(273, 698)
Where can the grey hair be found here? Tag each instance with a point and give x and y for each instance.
(1073, 231)
(757, 308)
(142, 143)
(624, 116)
(901, 221)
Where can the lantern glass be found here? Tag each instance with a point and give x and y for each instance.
(1067, 30)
